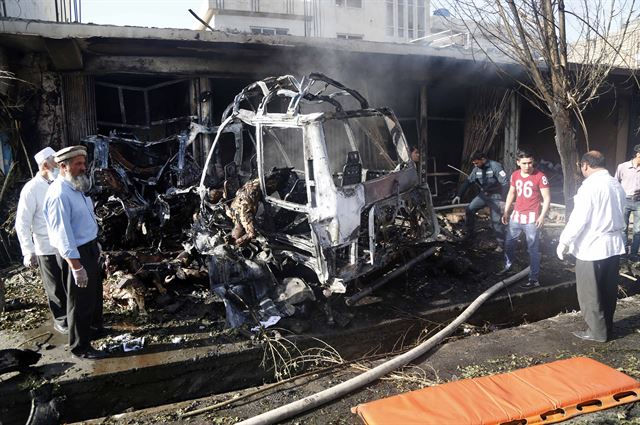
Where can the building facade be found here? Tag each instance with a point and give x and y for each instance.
(51, 10)
(378, 20)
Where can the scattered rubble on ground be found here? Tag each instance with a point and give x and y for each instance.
(454, 273)
(26, 303)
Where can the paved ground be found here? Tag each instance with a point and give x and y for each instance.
(461, 357)
(475, 351)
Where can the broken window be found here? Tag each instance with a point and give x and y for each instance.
(283, 147)
(147, 112)
(233, 159)
(370, 138)
(283, 153)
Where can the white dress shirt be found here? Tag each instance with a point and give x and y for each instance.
(31, 227)
(596, 226)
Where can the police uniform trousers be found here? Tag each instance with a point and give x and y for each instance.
(55, 287)
(597, 287)
(84, 305)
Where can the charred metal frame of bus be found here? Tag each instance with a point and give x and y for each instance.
(340, 222)
(129, 178)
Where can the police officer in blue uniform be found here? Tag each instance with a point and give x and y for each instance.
(493, 182)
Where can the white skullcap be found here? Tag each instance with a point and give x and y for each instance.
(42, 156)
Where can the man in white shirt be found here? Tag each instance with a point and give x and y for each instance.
(594, 235)
(31, 229)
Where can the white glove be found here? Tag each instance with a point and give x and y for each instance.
(80, 276)
(30, 260)
(455, 200)
(561, 250)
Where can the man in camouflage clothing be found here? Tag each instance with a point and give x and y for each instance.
(244, 206)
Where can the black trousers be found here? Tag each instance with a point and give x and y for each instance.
(84, 305)
(54, 287)
(597, 287)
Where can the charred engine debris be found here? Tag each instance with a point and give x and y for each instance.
(144, 197)
(305, 189)
(142, 190)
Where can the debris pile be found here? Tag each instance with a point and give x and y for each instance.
(141, 190)
(26, 305)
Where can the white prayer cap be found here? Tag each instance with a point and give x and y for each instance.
(42, 156)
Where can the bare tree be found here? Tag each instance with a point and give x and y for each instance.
(562, 78)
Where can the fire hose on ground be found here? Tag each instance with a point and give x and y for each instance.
(325, 396)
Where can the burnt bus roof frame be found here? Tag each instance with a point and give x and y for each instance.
(398, 189)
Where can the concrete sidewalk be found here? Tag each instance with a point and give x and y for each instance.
(467, 357)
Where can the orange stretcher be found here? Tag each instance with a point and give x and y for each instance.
(543, 394)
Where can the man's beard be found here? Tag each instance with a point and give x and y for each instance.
(80, 183)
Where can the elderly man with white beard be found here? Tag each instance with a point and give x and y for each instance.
(31, 229)
(73, 231)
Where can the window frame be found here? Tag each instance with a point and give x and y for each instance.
(260, 30)
(347, 36)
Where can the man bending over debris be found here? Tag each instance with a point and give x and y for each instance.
(528, 187)
(244, 206)
(31, 229)
(594, 235)
(492, 182)
(73, 230)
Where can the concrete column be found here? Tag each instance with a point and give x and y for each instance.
(196, 150)
(511, 132)
(622, 134)
(42, 122)
(206, 112)
(201, 146)
(78, 94)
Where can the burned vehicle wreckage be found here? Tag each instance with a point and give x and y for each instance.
(304, 190)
